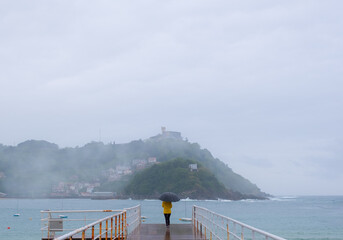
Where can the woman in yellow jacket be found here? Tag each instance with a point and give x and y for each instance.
(167, 211)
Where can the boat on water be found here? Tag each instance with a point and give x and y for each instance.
(185, 219)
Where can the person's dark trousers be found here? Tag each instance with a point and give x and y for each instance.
(167, 217)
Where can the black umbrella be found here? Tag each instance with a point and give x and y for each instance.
(169, 197)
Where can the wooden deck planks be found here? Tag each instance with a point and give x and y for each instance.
(159, 231)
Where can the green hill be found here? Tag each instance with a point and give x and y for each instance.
(42, 169)
(175, 176)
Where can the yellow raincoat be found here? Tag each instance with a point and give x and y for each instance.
(167, 207)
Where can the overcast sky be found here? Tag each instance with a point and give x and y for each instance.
(258, 83)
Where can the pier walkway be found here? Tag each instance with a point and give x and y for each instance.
(160, 232)
(126, 224)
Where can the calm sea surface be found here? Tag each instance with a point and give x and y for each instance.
(319, 217)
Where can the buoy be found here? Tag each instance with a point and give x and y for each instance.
(8, 228)
(16, 215)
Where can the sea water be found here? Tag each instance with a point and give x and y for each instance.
(293, 218)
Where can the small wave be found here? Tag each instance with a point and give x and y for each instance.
(188, 199)
(283, 198)
(288, 197)
(249, 200)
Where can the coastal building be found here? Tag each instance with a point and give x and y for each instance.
(152, 160)
(193, 167)
(123, 170)
(139, 164)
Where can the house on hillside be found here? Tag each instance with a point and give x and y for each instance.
(193, 167)
(152, 160)
(139, 164)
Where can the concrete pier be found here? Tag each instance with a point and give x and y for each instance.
(160, 231)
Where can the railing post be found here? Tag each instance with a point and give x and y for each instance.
(116, 227)
(111, 228)
(100, 230)
(125, 232)
(119, 217)
(228, 233)
(106, 235)
(83, 235)
(242, 233)
(92, 232)
(49, 216)
(122, 226)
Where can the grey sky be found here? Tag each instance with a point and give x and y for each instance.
(258, 83)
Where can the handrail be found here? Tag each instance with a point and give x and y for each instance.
(78, 211)
(82, 229)
(220, 227)
(115, 226)
(133, 218)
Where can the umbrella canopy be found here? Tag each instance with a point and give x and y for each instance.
(169, 197)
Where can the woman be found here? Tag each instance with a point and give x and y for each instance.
(167, 211)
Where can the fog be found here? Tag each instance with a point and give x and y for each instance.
(258, 83)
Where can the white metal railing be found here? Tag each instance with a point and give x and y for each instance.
(90, 224)
(216, 226)
(133, 218)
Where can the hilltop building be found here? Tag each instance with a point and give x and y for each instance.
(167, 135)
(170, 134)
